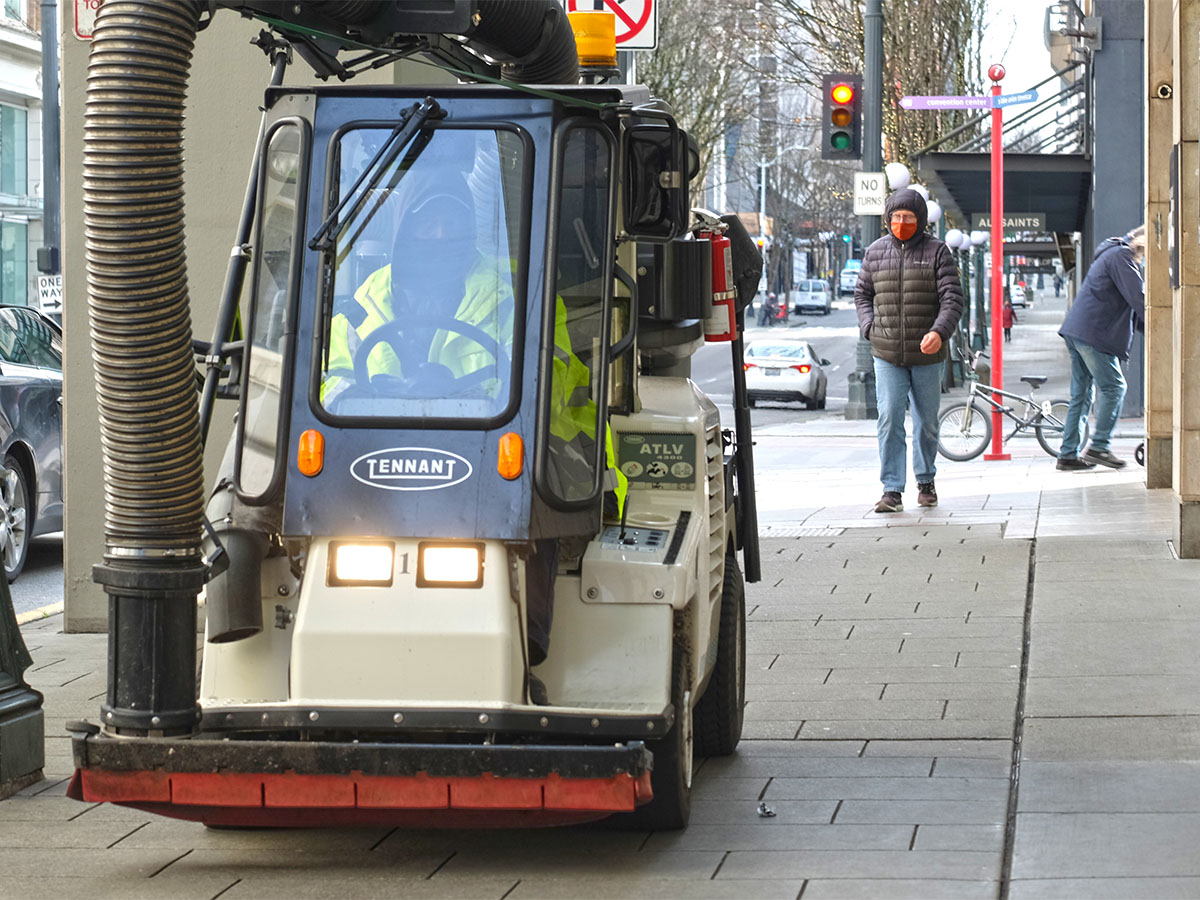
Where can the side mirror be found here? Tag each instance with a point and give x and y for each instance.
(657, 166)
(826, 362)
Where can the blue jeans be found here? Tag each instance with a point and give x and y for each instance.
(1090, 366)
(894, 386)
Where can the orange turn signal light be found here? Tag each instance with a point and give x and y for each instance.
(310, 457)
(510, 459)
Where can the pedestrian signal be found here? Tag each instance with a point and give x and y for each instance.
(841, 123)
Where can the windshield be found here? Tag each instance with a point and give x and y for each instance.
(424, 278)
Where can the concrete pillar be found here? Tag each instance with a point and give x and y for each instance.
(1159, 58)
(228, 76)
(1185, 444)
(1118, 100)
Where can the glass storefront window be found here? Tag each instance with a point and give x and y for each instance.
(13, 150)
(424, 301)
(14, 263)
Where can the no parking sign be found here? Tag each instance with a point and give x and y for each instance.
(637, 20)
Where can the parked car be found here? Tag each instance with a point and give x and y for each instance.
(811, 294)
(31, 470)
(785, 370)
(1016, 295)
(849, 277)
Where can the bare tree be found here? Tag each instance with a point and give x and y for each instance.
(705, 66)
(929, 47)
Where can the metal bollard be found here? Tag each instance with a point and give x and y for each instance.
(22, 722)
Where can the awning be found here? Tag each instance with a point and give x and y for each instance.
(1054, 184)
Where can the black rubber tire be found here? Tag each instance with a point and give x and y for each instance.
(16, 518)
(671, 778)
(821, 402)
(810, 404)
(1050, 431)
(967, 427)
(721, 711)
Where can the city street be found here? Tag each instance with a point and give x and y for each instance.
(834, 337)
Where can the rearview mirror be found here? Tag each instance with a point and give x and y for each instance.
(655, 184)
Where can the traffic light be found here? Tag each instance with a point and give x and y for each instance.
(841, 119)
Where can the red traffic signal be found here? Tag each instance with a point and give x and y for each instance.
(841, 120)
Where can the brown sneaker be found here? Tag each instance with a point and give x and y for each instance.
(926, 494)
(890, 502)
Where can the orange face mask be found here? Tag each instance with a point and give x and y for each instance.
(903, 230)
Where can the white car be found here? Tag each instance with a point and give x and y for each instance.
(848, 280)
(1016, 296)
(811, 294)
(785, 370)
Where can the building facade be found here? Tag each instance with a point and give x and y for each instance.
(20, 150)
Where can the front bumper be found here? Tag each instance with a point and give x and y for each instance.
(327, 783)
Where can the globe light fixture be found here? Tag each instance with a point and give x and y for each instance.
(898, 176)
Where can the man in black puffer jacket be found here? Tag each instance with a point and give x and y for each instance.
(909, 300)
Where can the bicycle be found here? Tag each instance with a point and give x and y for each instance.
(965, 428)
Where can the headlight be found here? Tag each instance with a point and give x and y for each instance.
(449, 565)
(367, 564)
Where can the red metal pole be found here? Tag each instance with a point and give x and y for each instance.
(996, 73)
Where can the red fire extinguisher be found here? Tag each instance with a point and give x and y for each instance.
(721, 324)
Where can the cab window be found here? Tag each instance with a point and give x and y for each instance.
(425, 296)
(270, 310)
(577, 326)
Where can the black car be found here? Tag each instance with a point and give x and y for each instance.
(31, 474)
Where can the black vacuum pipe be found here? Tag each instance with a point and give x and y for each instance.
(142, 354)
(535, 35)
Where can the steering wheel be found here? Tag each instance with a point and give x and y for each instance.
(391, 333)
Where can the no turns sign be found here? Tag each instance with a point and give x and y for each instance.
(637, 20)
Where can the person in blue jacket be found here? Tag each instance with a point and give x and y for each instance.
(1098, 330)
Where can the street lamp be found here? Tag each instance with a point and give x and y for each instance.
(763, 163)
(978, 240)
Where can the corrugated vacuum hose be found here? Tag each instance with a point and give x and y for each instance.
(141, 347)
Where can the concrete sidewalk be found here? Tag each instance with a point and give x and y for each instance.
(998, 697)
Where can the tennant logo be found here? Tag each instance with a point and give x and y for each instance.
(410, 469)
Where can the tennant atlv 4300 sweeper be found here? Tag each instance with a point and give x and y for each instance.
(473, 553)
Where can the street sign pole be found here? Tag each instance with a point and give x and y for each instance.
(862, 402)
(996, 73)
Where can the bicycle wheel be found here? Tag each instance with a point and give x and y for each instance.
(964, 430)
(1049, 427)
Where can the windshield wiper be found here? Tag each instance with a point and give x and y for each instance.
(331, 229)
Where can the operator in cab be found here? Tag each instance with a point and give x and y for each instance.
(436, 294)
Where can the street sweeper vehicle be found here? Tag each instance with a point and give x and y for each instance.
(472, 557)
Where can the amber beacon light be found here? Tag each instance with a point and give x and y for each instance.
(595, 37)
